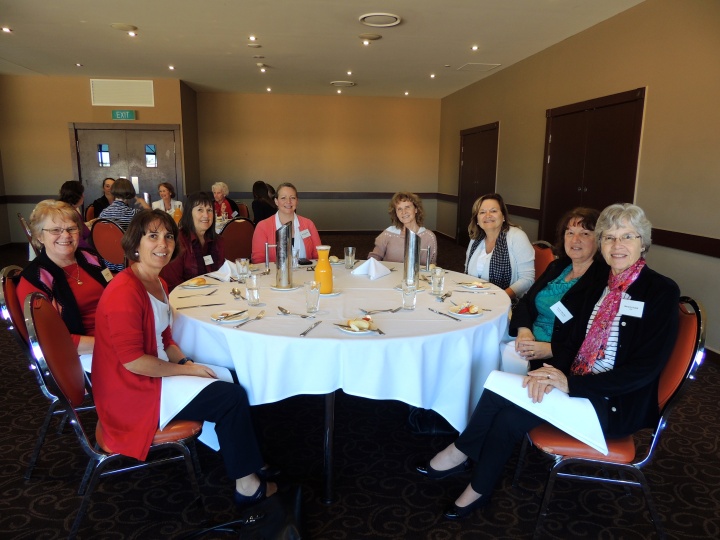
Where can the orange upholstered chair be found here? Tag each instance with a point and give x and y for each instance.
(237, 235)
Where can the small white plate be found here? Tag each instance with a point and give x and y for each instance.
(356, 332)
(454, 311)
(476, 287)
(339, 263)
(197, 286)
(420, 288)
(216, 316)
(285, 290)
(334, 293)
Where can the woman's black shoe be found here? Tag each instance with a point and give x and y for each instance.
(459, 512)
(426, 470)
(245, 501)
(268, 472)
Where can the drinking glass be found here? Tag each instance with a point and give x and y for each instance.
(437, 280)
(253, 293)
(349, 257)
(409, 295)
(312, 296)
(296, 258)
(243, 269)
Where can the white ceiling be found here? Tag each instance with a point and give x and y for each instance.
(306, 43)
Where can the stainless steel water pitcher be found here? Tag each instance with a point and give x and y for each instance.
(411, 271)
(283, 256)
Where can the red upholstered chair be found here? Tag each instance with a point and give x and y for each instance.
(237, 235)
(26, 230)
(89, 213)
(12, 312)
(60, 366)
(106, 236)
(543, 256)
(243, 211)
(568, 452)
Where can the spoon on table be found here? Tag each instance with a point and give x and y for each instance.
(287, 312)
(237, 293)
(444, 296)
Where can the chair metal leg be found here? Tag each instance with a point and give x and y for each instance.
(41, 438)
(650, 504)
(61, 426)
(327, 497)
(545, 501)
(95, 469)
(521, 461)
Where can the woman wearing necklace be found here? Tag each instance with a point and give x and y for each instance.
(499, 252)
(167, 200)
(406, 213)
(548, 310)
(72, 278)
(141, 378)
(614, 361)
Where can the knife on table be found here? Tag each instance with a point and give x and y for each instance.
(446, 315)
(313, 325)
(201, 305)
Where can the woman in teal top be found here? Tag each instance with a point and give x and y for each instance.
(557, 298)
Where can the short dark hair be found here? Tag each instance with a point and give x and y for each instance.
(71, 192)
(123, 189)
(586, 216)
(169, 187)
(199, 198)
(139, 227)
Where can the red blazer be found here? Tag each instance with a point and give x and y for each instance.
(265, 232)
(128, 405)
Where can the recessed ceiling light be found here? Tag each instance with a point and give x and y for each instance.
(366, 42)
(339, 91)
(78, 65)
(380, 20)
(132, 34)
(407, 93)
(349, 72)
(171, 68)
(432, 75)
(252, 38)
(474, 47)
(269, 89)
(262, 70)
(7, 30)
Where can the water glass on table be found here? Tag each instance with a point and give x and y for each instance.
(349, 257)
(437, 280)
(296, 258)
(253, 293)
(312, 296)
(409, 295)
(243, 269)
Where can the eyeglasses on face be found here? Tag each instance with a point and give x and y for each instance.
(57, 231)
(623, 239)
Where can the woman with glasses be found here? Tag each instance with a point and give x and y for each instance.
(544, 316)
(499, 252)
(72, 278)
(614, 361)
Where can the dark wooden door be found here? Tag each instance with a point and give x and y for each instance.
(478, 168)
(591, 155)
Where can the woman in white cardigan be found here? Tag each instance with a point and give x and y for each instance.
(499, 251)
(167, 200)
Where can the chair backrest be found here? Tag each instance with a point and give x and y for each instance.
(106, 236)
(10, 304)
(237, 237)
(26, 230)
(687, 353)
(543, 256)
(243, 211)
(53, 348)
(90, 213)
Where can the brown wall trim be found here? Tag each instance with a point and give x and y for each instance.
(524, 211)
(687, 242)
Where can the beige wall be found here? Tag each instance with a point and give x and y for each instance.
(671, 47)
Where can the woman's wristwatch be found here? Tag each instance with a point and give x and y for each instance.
(185, 360)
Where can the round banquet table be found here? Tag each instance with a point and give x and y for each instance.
(424, 359)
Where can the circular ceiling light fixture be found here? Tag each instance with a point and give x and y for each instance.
(380, 20)
(342, 84)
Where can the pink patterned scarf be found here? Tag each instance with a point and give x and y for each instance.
(593, 347)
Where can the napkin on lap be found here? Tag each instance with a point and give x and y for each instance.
(224, 272)
(372, 268)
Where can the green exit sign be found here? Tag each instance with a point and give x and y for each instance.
(123, 115)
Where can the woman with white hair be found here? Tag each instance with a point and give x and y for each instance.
(224, 207)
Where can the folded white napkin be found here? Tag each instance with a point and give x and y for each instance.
(224, 272)
(372, 268)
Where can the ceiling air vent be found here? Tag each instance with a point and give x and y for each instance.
(122, 93)
(343, 84)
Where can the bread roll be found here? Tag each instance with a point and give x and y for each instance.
(197, 281)
(334, 259)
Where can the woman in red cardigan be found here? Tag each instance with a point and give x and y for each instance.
(136, 366)
(305, 235)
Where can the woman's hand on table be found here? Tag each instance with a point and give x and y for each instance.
(541, 381)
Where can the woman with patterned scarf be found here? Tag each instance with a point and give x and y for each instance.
(73, 279)
(499, 252)
(614, 360)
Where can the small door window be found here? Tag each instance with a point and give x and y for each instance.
(103, 155)
(150, 156)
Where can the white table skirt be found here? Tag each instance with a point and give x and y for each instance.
(425, 359)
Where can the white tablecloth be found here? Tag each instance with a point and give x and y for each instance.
(425, 359)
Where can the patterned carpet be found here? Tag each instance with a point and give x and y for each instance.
(378, 493)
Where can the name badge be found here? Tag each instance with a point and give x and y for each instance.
(632, 308)
(234, 214)
(107, 274)
(208, 259)
(561, 312)
(305, 234)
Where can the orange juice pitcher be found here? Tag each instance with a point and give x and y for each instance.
(323, 270)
